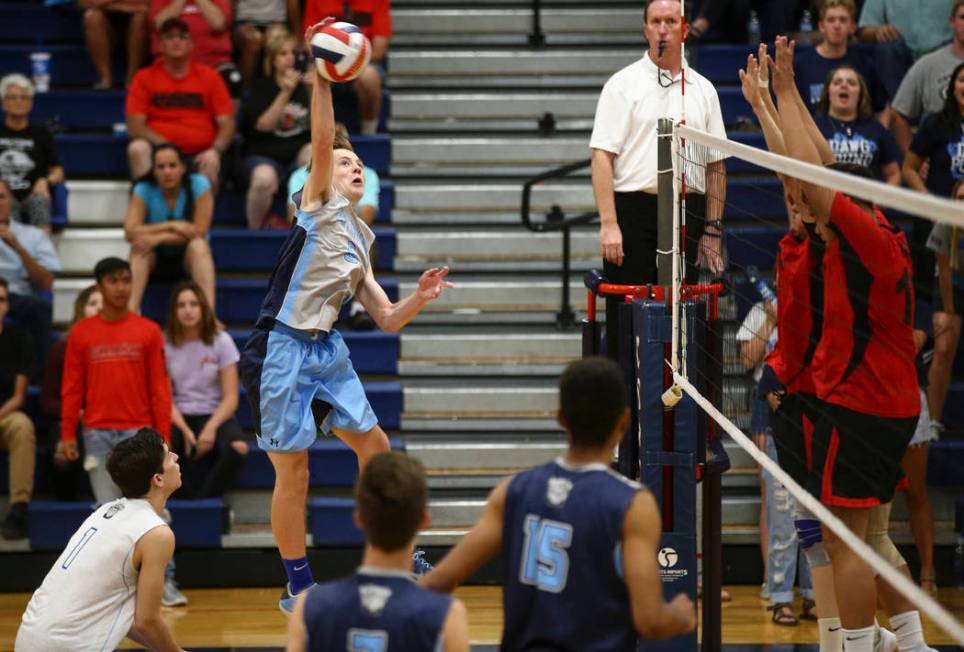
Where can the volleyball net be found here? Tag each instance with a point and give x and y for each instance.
(755, 220)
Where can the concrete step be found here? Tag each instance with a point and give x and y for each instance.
(488, 245)
(526, 124)
(478, 398)
(501, 346)
(537, 294)
(488, 151)
(450, 456)
(468, 22)
(578, 265)
(497, 82)
(468, 197)
(461, 63)
(80, 248)
(97, 203)
(448, 218)
(487, 425)
(492, 106)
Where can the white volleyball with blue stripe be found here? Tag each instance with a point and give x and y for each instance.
(341, 51)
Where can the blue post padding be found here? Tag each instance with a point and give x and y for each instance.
(197, 523)
(50, 524)
(330, 520)
(677, 569)
(650, 347)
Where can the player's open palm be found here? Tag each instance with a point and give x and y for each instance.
(432, 282)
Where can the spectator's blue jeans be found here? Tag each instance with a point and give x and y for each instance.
(98, 442)
(893, 59)
(784, 558)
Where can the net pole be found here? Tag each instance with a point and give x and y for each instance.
(925, 603)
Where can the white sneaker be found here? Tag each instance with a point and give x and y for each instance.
(172, 595)
(884, 640)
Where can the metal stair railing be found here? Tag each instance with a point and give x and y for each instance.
(556, 220)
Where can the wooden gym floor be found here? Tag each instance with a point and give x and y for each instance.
(249, 619)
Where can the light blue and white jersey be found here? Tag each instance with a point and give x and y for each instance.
(323, 260)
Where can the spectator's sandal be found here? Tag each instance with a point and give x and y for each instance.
(807, 608)
(783, 615)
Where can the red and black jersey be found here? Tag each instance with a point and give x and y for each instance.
(799, 311)
(865, 358)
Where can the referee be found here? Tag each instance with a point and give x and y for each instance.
(624, 144)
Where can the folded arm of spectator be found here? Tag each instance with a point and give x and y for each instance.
(213, 15)
(178, 421)
(172, 10)
(15, 402)
(140, 234)
(40, 277)
(137, 128)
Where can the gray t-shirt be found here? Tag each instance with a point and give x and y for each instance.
(925, 85)
(922, 23)
(261, 12)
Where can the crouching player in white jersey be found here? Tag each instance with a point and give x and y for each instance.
(295, 365)
(379, 607)
(84, 603)
(578, 541)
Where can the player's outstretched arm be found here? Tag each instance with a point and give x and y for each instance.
(318, 185)
(653, 617)
(478, 546)
(297, 634)
(391, 317)
(151, 555)
(455, 631)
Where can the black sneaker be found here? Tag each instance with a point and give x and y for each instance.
(15, 525)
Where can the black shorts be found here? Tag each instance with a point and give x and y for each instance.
(168, 265)
(856, 458)
(232, 78)
(792, 426)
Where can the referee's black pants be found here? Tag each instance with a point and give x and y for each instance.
(636, 215)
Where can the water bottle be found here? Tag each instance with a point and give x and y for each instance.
(40, 69)
(761, 285)
(806, 22)
(959, 562)
(753, 29)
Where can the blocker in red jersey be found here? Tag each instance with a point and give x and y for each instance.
(341, 51)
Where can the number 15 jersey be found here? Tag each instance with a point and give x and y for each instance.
(562, 546)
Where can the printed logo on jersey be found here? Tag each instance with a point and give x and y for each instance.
(667, 557)
(113, 510)
(853, 149)
(16, 166)
(956, 153)
(557, 491)
(374, 597)
(816, 90)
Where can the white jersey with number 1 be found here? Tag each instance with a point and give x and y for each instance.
(86, 602)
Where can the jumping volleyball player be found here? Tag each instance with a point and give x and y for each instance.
(574, 534)
(862, 374)
(295, 366)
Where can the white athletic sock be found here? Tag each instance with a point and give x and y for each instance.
(369, 127)
(910, 633)
(831, 635)
(859, 640)
(884, 639)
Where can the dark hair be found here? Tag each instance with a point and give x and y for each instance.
(80, 302)
(952, 110)
(185, 180)
(173, 328)
(957, 5)
(107, 266)
(864, 109)
(592, 398)
(390, 496)
(171, 24)
(4, 284)
(133, 462)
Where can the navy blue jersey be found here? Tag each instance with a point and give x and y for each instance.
(943, 144)
(862, 142)
(810, 71)
(375, 610)
(562, 546)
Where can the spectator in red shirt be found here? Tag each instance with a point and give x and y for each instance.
(181, 102)
(114, 371)
(374, 19)
(209, 22)
(104, 21)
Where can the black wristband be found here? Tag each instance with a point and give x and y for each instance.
(717, 224)
(712, 235)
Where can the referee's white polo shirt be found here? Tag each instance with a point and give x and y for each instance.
(628, 113)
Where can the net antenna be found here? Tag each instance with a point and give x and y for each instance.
(910, 202)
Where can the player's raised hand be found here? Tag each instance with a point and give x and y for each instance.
(432, 281)
(750, 81)
(764, 60)
(783, 66)
(314, 28)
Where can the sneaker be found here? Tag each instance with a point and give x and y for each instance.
(884, 640)
(287, 601)
(172, 595)
(15, 524)
(420, 565)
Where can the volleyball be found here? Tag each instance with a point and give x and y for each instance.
(341, 51)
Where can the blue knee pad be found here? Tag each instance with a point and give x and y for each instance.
(810, 535)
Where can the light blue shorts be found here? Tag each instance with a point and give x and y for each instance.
(298, 385)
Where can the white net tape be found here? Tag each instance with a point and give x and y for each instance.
(914, 203)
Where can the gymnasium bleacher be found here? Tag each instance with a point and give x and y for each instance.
(469, 387)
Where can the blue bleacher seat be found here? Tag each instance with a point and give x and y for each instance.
(945, 458)
(58, 212)
(80, 110)
(755, 198)
(237, 250)
(331, 522)
(70, 65)
(30, 23)
(196, 523)
(754, 244)
(330, 464)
